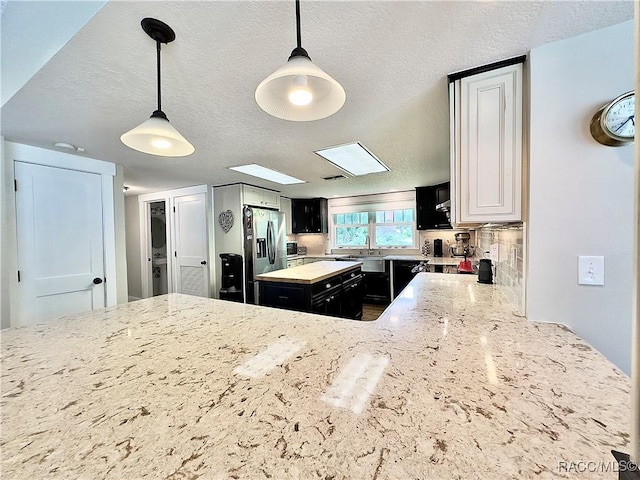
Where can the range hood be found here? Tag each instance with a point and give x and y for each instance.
(445, 207)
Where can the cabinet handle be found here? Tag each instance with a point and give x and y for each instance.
(328, 285)
(97, 281)
(203, 262)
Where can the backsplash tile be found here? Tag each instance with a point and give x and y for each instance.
(316, 243)
(509, 270)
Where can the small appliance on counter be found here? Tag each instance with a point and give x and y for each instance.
(437, 247)
(302, 250)
(292, 249)
(465, 266)
(485, 271)
(462, 247)
(231, 277)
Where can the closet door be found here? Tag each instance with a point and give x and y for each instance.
(60, 242)
(191, 245)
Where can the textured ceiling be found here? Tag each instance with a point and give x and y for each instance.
(392, 59)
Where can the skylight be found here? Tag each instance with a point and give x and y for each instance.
(353, 158)
(267, 174)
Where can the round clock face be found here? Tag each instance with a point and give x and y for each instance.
(615, 123)
(619, 119)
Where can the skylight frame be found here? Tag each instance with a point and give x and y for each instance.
(271, 175)
(348, 172)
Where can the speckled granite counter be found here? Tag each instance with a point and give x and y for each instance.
(447, 384)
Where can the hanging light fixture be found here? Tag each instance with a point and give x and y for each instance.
(157, 136)
(299, 90)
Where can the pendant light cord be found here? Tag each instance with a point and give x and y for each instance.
(158, 68)
(298, 23)
(298, 51)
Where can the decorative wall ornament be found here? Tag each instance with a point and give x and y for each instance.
(225, 219)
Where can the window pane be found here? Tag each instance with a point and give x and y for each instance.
(388, 216)
(391, 235)
(364, 217)
(408, 215)
(397, 216)
(347, 219)
(340, 219)
(379, 217)
(351, 236)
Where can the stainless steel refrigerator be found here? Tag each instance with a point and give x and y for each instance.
(265, 246)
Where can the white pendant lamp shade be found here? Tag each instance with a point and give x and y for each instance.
(300, 91)
(157, 136)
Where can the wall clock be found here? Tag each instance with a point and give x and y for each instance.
(615, 124)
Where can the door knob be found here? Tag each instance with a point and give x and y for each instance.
(203, 262)
(97, 281)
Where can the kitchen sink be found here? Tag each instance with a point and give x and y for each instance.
(369, 264)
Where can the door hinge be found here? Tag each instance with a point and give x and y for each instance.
(18, 275)
(15, 185)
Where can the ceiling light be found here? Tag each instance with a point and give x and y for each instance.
(266, 173)
(68, 146)
(157, 136)
(299, 90)
(353, 158)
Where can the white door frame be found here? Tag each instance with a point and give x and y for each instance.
(146, 251)
(167, 196)
(25, 153)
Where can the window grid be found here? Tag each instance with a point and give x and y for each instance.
(375, 229)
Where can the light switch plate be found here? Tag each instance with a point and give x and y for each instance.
(590, 270)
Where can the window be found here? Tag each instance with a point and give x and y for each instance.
(352, 229)
(376, 229)
(394, 228)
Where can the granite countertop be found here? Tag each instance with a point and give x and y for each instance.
(448, 383)
(308, 274)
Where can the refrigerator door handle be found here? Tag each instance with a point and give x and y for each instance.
(271, 240)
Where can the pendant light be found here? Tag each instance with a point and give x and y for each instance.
(157, 136)
(300, 91)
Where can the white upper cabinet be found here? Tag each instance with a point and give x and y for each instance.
(285, 207)
(258, 197)
(486, 146)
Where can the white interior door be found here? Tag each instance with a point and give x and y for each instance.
(191, 245)
(60, 242)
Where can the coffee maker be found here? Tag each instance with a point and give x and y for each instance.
(462, 247)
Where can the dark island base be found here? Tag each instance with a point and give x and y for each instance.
(627, 469)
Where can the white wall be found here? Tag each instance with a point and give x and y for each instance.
(7, 239)
(228, 197)
(132, 227)
(120, 234)
(581, 192)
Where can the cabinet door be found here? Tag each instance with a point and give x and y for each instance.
(270, 199)
(352, 298)
(299, 215)
(426, 200)
(318, 216)
(259, 197)
(489, 152)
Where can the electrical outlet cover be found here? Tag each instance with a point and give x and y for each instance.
(494, 252)
(590, 270)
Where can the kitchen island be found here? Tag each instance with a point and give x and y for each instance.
(448, 383)
(324, 287)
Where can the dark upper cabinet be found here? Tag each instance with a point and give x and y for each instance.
(426, 200)
(309, 215)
